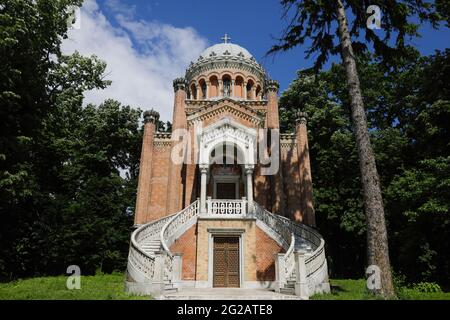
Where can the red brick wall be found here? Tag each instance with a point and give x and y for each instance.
(266, 248)
(159, 181)
(187, 245)
(289, 164)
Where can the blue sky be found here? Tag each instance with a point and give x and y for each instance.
(252, 24)
(180, 30)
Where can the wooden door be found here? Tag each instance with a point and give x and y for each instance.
(226, 262)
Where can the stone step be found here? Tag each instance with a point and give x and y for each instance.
(227, 294)
(171, 290)
(287, 291)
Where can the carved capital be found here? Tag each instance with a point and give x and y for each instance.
(249, 169)
(301, 117)
(203, 168)
(179, 84)
(273, 86)
(151, 116)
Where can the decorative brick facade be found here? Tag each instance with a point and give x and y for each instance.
(226, 85)
(187, 245)
(266, 248)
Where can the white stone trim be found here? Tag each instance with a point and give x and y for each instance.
(225, 232)
(270, 232)
(267, 285)
(227, 131)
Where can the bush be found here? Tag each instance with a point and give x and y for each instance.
(427, 287)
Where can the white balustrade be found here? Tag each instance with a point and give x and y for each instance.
(155, 267)
(173, 229)
(314, 267)
(141, 264)
(217, 208)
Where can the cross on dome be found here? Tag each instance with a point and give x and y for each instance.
(226, 38)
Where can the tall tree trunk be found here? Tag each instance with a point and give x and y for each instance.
(377, 242)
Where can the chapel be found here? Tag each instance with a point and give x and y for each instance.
(224, 200)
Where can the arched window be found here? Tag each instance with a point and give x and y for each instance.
(258, 93)
(250, 85)
(213, 87)
(193, 92)
(238, 87)
(226, 85)
(202, 84)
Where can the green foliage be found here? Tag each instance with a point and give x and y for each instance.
(98, 287)
(345, 289)
(427, 287)
(68, 172)
(409, 118)
(315, 23)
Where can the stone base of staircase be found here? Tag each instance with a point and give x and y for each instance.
(227, 294)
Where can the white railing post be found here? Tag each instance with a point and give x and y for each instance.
(177, 269)
(301, 284)
(209, 206)
(280, 277)
(157, 285)
(204, 177)
(244, 206)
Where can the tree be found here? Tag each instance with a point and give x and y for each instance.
(316, 21)
(67, 172)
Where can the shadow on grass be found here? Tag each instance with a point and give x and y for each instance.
(335, 289)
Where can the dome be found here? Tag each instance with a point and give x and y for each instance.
(226, 50)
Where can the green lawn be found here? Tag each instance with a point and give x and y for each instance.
(111, 287)
(344, 289)
(98, 287)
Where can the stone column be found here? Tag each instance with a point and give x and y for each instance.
(157, 283)
(204, 175)
(232, 87)
(273, 124)
(249, 173)
(177, 269)
(280, 279)
(145, 171)
(244, 90)
(208, 84)
(301, 284)
(253, 94)
(220, 93)
(304, 167)
(199, 92)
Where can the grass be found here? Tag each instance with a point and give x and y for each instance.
(111, 287)
(98, 287)
(345, 289)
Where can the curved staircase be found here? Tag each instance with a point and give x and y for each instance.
(154, 270)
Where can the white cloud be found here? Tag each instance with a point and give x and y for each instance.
(143, 57)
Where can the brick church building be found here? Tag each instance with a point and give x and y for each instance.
(225, 200)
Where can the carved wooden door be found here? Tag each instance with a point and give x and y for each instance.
(226, 262)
